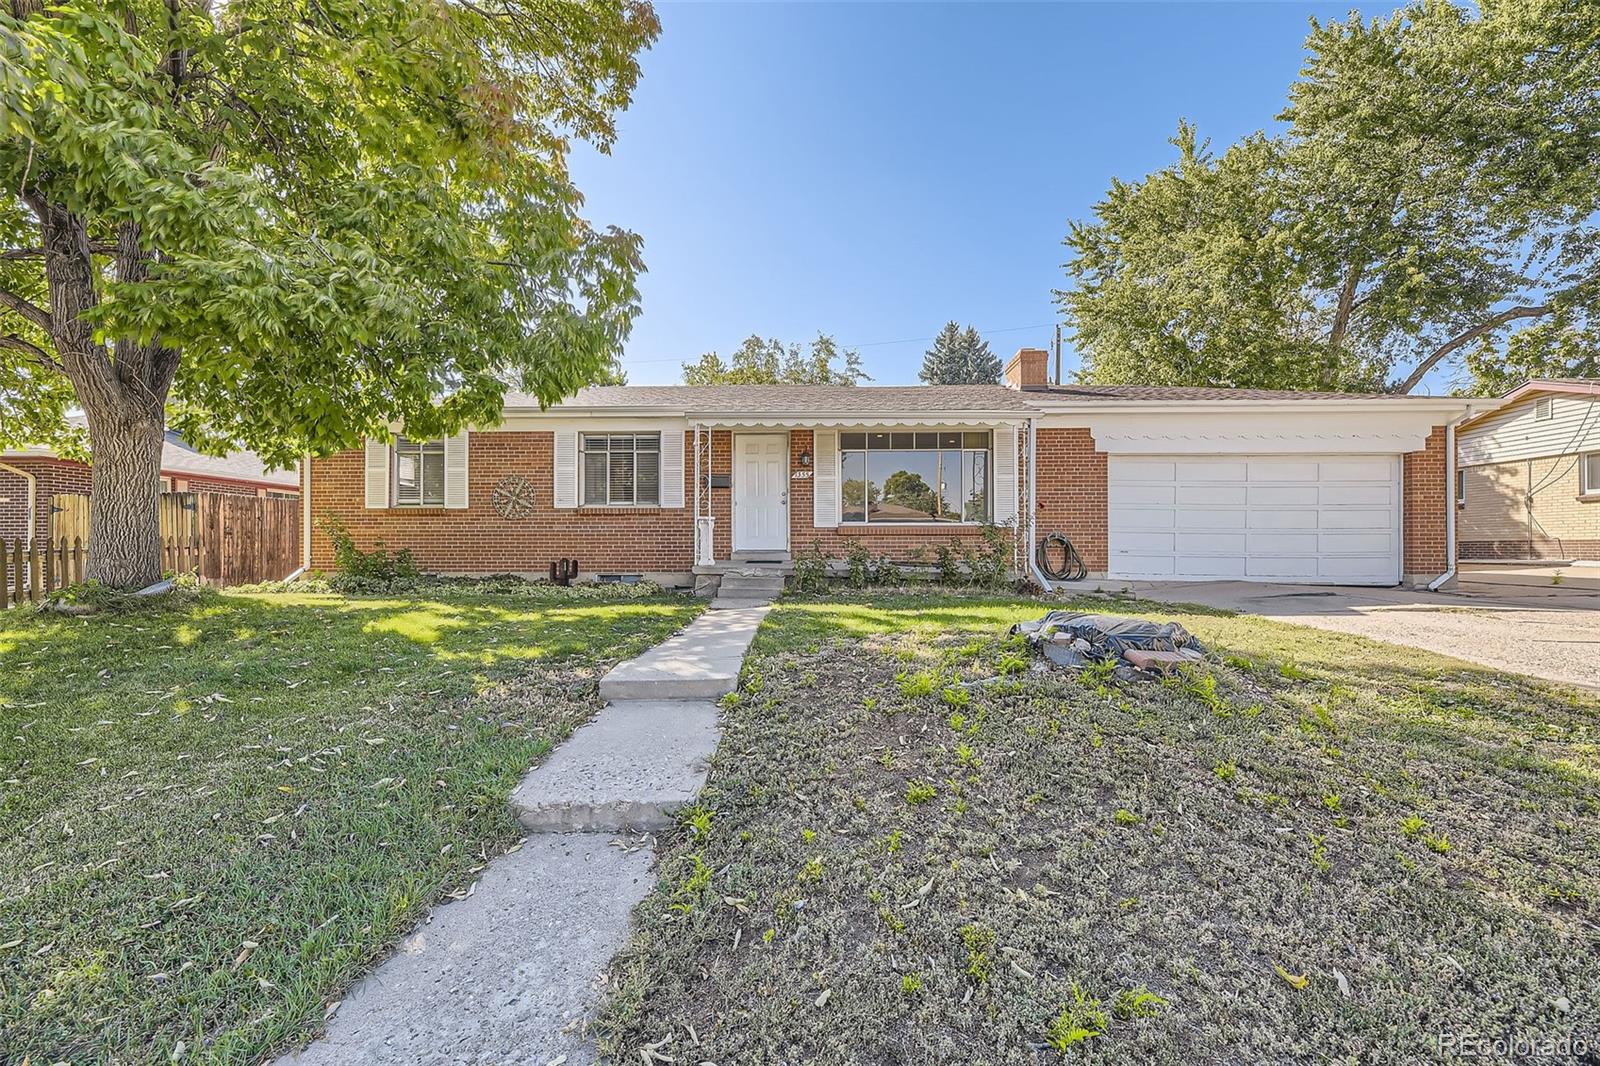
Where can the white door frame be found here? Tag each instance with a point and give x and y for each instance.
(782, 435)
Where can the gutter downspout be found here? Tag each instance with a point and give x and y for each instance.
(305, 518)
(33, 498)
(1033, 506)
(1450, 504)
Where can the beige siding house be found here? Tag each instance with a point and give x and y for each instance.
(1528, 481)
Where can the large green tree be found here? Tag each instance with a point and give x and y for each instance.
(960, 357)
(287, 224)
(768, 361)
(1430, 205)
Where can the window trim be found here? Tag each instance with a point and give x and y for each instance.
(928, 521)
(425, 447)
(634, 505)
(1584, 487)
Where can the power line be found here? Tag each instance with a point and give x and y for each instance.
(870, 344)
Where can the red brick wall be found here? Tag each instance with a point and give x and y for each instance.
(56, 477)
(477, 540)
(1071, 485)
(231, 488)
(1424, 503)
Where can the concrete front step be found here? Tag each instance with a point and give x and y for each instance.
(700, 662)
(766, 584)
(739, 603)
(630, 768)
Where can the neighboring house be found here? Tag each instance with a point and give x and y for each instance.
(29, 477)
(1154, 483)
(1529, 480)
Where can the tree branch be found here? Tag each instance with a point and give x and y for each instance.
(27, 347)
(1489, 325)
(14, 254)
(26, 308)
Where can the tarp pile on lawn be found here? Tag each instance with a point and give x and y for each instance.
(1075, 640)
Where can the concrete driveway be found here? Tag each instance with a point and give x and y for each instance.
(1550, 632)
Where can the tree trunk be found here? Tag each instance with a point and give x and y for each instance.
(124, 502)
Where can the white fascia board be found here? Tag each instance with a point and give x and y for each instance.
(529, 418)
(1292, 430)
(1441, 407)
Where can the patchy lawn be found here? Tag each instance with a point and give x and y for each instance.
(1322, 849)
(213, 816)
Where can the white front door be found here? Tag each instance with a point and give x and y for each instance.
(761, 492)
(1314, 519)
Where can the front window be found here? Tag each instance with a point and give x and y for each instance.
(915, 476)
(1591, 474)
(418, 473)
(621, 469)
(1461, 487)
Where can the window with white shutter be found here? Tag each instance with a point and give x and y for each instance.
(377, 473)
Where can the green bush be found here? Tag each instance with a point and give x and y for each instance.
(811, 569)
(373, 571)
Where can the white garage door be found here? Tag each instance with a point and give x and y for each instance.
(1318, 519)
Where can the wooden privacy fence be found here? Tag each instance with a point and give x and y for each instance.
(225, 539)
(34, 570)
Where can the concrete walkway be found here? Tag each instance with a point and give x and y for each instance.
(510, 974)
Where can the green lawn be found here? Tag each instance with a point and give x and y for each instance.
(1322, 849)
(214, 815)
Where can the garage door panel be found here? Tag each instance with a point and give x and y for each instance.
(1140, 541)
(1283, 496)
(1216, 566)
(1210, 543)
(1358, 470)
(1302, 519)
(1192, 471)
(1282, 470)
(1358, 495)
(1210, 518)
(1357, 518)
(1354, 569)
(1282, 544)
(1212, 495)
(1142, 470)
(1280, 567)
(1354, 543)
(1266, 518)
(1135, 495)
(1144, 566)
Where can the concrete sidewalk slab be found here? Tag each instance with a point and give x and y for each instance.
(700, 662)
(629, 768)
(505, 976)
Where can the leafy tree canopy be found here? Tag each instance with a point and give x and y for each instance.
(960, 357)
(1432, 203)
(760, 361)
(293, 223)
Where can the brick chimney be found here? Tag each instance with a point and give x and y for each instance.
(1028, 369)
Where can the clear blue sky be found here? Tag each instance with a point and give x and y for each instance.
(874, 170)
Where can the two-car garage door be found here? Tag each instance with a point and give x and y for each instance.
(1322, 519)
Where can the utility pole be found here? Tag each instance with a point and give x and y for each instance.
(1058, 353)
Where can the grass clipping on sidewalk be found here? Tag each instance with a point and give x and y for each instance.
(917, 848)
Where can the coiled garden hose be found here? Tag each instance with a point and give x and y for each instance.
(1072, 567)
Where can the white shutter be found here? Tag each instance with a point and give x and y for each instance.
(1005, 475)
(455, 471)
(566, 468)
(672, 468)
(825, 482)
(377, 473)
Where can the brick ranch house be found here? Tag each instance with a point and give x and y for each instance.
(29, 477)
(670, 482)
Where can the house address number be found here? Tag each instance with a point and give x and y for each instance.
(800, 475)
